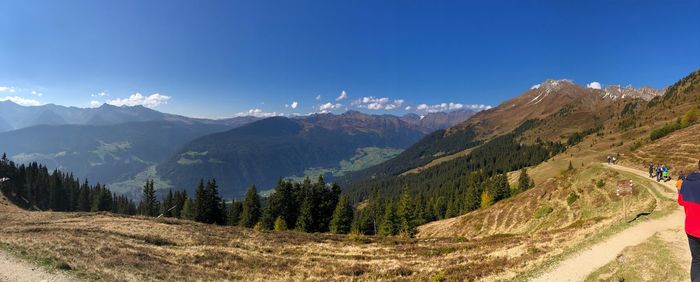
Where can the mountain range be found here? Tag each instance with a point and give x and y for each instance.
(552, 113)
(14, 116)
(262, 152)
(124, 146)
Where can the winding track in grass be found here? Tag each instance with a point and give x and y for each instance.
(16, 270)
(578, 266)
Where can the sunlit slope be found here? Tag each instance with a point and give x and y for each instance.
(576, 202)
(680, 150)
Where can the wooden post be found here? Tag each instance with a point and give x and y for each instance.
(624, 188)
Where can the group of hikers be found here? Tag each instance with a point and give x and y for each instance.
(660, 171)
(612, 159)
(689, 197)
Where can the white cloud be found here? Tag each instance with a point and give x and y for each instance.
(408, 108)
(293, 105)
(318, 97)
(9, 89)
(594, 85)
(446, 107)
(535, 86)
(259, 113)
(136, 99)
(38, 94)
(101, 94)
(343, 95)
(329, 107)
(21, 101)
(95, 103)
(373, 103)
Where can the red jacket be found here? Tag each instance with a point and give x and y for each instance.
(689, 198)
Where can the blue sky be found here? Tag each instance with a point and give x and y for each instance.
(221, 58)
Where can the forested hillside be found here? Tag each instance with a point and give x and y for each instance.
(263, 151)
(109, 153)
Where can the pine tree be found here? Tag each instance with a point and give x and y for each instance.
(168, 205)
(84, 197)
(390, 223)
(452, 209)
(406, 214)
(250, 214)
(188, 211)
(305, 221)
(215, 209)
(524, 180)
(200, 205)
(179, 201)
(149, 203)
(342, 217)
(500, 187)
(234, 213)
(268, 218)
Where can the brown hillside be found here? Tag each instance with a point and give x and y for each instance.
(106, 247)
(544, 209)
(680, 150)
(551, 97)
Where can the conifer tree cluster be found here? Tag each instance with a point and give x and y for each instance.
(33, 187)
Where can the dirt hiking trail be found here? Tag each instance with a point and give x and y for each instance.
(578, 266)
(16, 270)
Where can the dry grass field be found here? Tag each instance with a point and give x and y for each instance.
(100, 246)
(680, 150)
(504, 240)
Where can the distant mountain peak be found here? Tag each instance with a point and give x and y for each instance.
(552, 85)
(647, 93)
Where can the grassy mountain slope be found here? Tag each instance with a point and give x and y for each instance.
(680, 151)
(117, 248)
(550, 206)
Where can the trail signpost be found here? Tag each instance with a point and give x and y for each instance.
(624, 188)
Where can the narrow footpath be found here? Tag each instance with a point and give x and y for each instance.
(581, 264)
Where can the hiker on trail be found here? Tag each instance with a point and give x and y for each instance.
(609, 159)
(665, 174)
(689, 198)
(651, 170)
(614, 160)
(658, 173)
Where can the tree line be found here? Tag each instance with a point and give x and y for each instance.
(391, 208)
(33, 186)
(464, 184)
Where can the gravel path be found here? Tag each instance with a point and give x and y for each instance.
(580, 265)
(16, 270)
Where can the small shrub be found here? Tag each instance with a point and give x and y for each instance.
(63, 266)
(280, 224)
(400, 271)
(636, 145)
(543, 211)
(664, 130)
(355, 270)
(571, 198)
(157, 241)
(600, 183)
(438, 277)
(358, 237)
